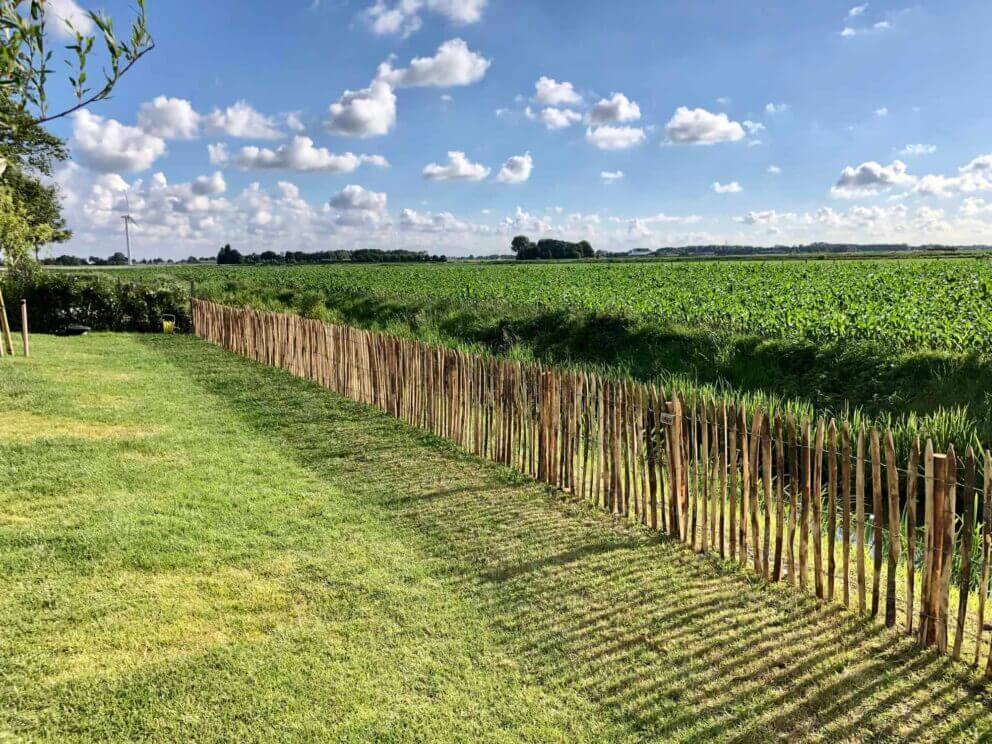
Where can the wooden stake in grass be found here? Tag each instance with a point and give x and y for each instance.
(779, 496)
(5, 327)
(24, 328)
(817, 527)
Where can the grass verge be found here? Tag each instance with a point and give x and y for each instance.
(195, 547)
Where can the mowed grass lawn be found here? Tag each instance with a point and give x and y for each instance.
(195, 548)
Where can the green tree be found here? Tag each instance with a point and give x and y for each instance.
(521, 245)
(29, 153)
(229, 255)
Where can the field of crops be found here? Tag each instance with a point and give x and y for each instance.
(903, 304)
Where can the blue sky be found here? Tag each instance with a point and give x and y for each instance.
(657, 123)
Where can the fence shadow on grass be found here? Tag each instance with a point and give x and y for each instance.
(668, 644)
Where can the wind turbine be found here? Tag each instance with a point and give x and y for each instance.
(128, 221)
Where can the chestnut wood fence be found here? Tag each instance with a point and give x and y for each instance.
(812, 503)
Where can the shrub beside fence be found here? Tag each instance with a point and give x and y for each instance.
(813, 503)
(101, 301)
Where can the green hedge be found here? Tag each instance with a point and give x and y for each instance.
(102, 302)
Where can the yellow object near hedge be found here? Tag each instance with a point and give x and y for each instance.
(168, 324)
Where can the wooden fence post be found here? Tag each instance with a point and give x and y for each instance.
(24, 328)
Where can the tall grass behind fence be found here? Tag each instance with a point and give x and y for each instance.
(816, 504)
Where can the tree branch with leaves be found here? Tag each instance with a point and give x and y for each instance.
(25, 58)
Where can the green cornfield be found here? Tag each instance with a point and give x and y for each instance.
(908, 304)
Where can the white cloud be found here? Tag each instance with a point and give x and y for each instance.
(919, 149)
(850, 31)
(556, 118)
(294, 122)
(66, 11)
(516, 169)
(700, 127)
(774, 170)
(753, 127)
(369, 112)
(453, 64)
(241, 120)
(218, 154)
(441, 222)
(776, 108)
(550, 92)
(169, 118)
(107, 145)
(973, 177)
(458, 168)
(973, 207)
(210, 185)
(614, 109)
(871, 178)
(882, 112)
(857, 10)
(355, 198)
(298, 155)
(611, 176)
(404, 16)
(727, 188)
(614, 138)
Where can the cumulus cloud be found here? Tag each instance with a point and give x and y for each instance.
(774, 170)
(776, 108)
(727, 188)
(516, 169)
(617, 108)
(614, 138)
(403, 17)
(556, 118)
(298, 155)
(458, 168)
(453, 64)
(441, 222)
(701, 127)
(919, 149)
(882, 112)
(973, 177)
(64, 13)
(169, 118)
(353, 197)
(369, 112)
(871, 178)
(857, 10)
(209, 185)
(611, 176)
(241, 120)
(550, 92)
(107, 145)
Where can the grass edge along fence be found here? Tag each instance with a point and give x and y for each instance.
(822, 507)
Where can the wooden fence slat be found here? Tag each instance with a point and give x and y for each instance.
(894, 529)
(967, 536)
(912, 483)
(859, 519)
(983, 587)
(876, 521)
(831, 450)
(779, 496)
(817, 527)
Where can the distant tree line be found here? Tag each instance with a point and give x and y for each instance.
(117, 259)
(229, 255)
(525, 250)
(753, 250)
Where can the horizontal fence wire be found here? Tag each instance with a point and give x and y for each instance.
(824, 507)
